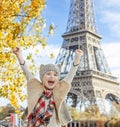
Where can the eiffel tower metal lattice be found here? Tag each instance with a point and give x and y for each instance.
(93, 80)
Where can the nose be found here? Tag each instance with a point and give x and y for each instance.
(52, 76)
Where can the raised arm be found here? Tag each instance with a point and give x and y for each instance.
(69, 77)
(17, 51)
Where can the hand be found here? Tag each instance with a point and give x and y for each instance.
(79, 52)
(17, 51)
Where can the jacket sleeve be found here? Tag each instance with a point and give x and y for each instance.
(26, 71)
(69, 77)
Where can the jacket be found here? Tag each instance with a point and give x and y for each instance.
(34, 91)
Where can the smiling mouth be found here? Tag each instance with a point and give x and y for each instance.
(51, 83)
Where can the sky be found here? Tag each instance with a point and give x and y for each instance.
(107, 15)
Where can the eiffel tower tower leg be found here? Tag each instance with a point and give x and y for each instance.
(82, 87)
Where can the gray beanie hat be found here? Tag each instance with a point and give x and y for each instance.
(48, 67)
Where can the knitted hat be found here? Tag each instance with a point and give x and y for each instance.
(48, 67)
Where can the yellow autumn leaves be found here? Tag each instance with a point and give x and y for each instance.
(12, 82)
(20, 19)
(21, 25)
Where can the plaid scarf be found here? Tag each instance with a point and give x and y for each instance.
(39, 115)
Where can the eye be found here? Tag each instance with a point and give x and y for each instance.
(55, 74)
(48, 73)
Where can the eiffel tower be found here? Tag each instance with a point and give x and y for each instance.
(93, 81)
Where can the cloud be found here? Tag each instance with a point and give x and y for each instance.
(112, 54)
(43, 57)
(112, 20)
(109, 16)
(111, 3)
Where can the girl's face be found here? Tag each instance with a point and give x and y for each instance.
(50, 79)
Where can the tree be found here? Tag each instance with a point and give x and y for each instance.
(22, 25)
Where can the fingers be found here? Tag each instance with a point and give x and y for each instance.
(79, 51)
(16, 50)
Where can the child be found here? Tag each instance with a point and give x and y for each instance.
(46, 98)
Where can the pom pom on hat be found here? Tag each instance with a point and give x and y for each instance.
(48, 67)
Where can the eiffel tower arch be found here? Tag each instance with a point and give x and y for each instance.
(93, 79)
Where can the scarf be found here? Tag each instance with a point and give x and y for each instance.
(40, 115)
